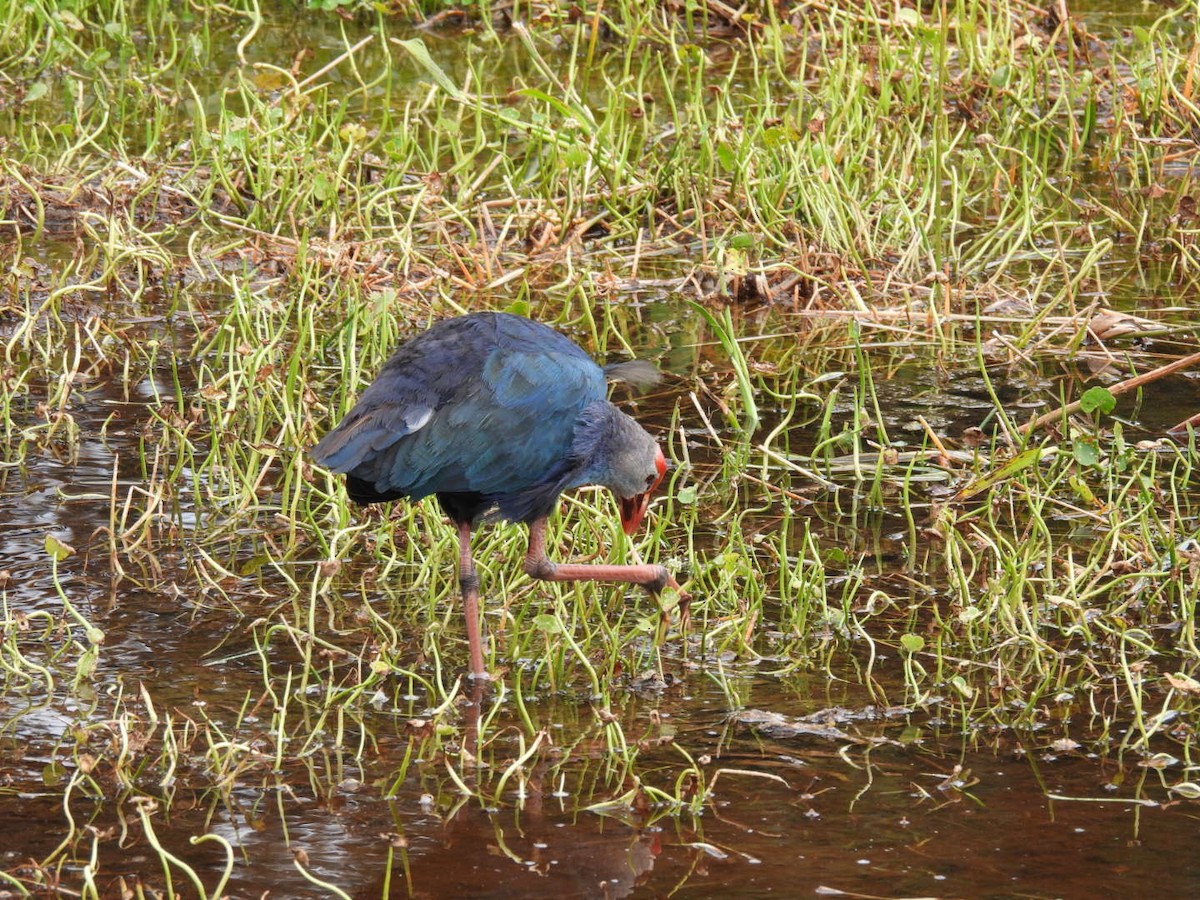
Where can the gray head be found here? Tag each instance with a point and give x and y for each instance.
(620, 455)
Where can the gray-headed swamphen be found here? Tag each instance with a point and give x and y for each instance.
(497, 414)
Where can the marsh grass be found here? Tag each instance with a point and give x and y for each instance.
(215, 247)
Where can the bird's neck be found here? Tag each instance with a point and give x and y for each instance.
(597, 431)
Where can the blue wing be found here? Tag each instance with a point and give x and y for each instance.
(485, 403)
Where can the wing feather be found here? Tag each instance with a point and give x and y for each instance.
(483, 404)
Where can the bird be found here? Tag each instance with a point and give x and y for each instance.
(496, 415)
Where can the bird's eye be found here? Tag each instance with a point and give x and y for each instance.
(652, 481)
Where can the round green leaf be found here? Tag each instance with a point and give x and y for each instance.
(1086, 453)
(960, 684)
(912, 643)
(1097, 398)
(56, 549)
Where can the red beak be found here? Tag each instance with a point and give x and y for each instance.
(633, 509)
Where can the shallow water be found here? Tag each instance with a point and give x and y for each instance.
(859, 797)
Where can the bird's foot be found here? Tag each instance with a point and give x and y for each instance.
(683, 603)
(684, 596)
(685, 612)
(684, 606)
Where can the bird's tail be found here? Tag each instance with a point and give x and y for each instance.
(640, 373)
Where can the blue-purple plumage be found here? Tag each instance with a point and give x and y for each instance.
(493, 412)
(487, 411)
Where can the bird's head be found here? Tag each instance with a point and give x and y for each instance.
(619, 454)
(633, 509)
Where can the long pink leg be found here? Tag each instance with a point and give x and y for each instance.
(468, 580)
(652, 578)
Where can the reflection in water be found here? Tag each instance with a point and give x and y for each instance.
(477, 853)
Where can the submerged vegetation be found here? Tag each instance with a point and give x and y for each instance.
(900, 262)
